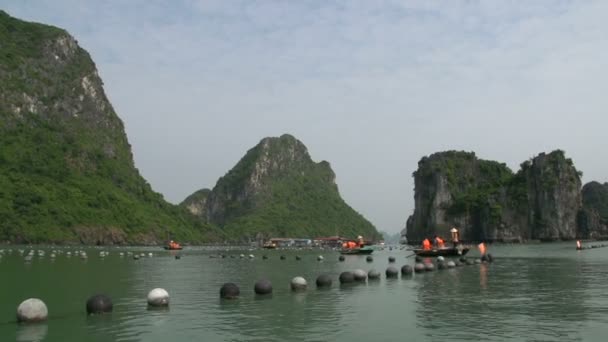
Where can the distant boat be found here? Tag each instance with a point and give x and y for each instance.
(357, 250)
(445, 252)
(172, 245)
(270, 245)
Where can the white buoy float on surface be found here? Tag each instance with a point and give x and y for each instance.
(298, 284)
(32, 310)
(158, 297)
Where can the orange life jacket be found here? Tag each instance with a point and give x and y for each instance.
(426, 244)
(439, 242)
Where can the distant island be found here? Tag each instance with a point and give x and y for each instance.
(543, 200)
(67, 173)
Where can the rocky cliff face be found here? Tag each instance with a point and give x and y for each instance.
(66, 168)
(277, 190)
(554, 196)
(196, 203)
(593, 219)
(487, 201)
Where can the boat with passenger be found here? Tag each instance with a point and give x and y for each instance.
(172, 245)
(356, 247)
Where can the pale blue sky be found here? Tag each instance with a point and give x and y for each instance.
(370, 86)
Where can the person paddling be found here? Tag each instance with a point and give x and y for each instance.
(426, 244)
(439, 242)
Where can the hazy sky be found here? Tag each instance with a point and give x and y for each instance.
(370, 86)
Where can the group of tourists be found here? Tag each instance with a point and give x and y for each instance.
(438, 242)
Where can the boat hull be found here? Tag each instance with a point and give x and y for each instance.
(363, 250)
(173, 248)
(445, 252)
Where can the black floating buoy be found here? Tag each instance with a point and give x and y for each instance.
(458, 263)
(419, 267)
(298, 257)
(373, 275)
(391, 259)
(484, 258)
(469, 262)
(264, 256)
(324, 280)
(418, 258)
(229, 291)
(463, 259)
(99, 304)
(178, 256)
(441, 265)
(347, 277)
(341, 258)
(489, 257)
(282, 257)
(407, 270)
(263, 287)
(392, 272)
(369, 258)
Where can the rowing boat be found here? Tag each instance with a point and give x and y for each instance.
(445, 252)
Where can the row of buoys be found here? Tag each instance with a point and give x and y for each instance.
(34, 310)
(264, 286)
(369, 258)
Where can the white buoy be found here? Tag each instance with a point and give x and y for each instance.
(440, 258)
(251, 256)
(150, 255)
(320, 258)
(298, 284)
(360, 275)
(158, 297)
(32, 310)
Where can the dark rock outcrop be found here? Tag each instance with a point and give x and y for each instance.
(487, 201)
(593, 218)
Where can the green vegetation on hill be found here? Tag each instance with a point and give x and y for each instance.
(277, 190)
(66, 169)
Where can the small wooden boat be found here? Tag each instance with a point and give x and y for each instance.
(173, 246)
(357, 250)
(269, 245)
(444, 252)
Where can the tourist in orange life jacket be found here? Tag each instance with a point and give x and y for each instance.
(439, 242)
(426, 244)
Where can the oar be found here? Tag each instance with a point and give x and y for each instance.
(410, 255)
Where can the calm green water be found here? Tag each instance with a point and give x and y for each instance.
(547, 292)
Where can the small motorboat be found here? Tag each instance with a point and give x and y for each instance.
(444, 252)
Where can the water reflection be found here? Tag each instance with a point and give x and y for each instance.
(518, 297)
(32, 332)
